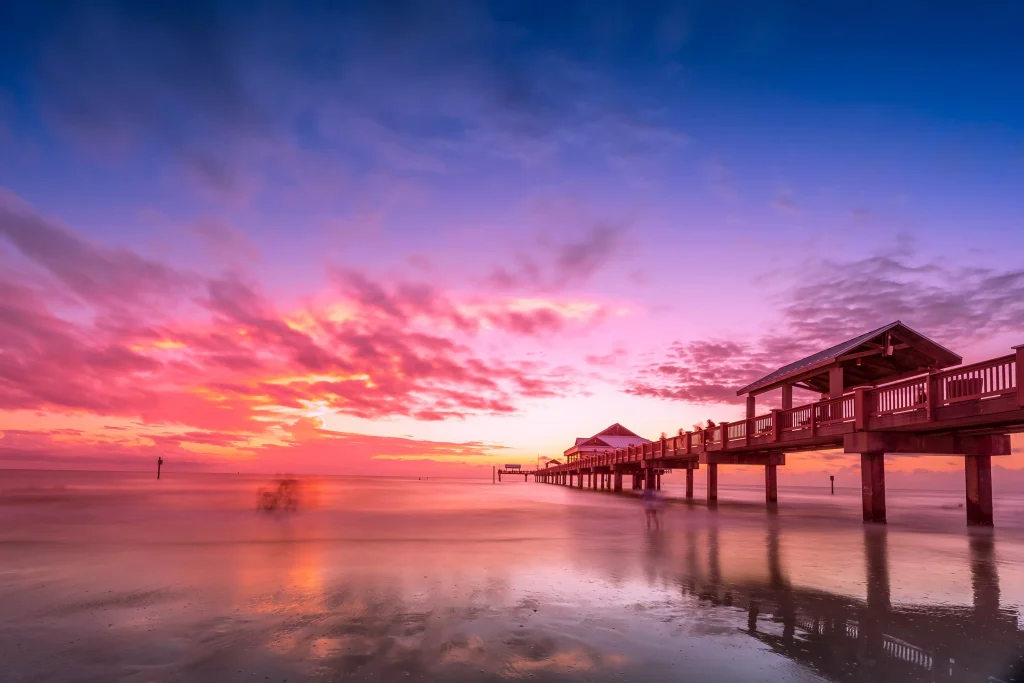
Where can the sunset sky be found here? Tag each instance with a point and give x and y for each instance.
(429, 237)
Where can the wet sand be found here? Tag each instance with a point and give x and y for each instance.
(117, 577)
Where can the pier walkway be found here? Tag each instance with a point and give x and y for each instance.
(891, 390)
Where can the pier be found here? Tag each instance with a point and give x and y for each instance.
(891, 390)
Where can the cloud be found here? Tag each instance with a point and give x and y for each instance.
(242, 103)
(580, 260)
(304, 447)
(109, 277)
(223, 240)
(835, 301)
(218, 354)
(551, 265)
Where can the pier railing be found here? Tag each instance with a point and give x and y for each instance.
(913, 400)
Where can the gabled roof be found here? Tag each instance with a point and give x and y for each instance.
(926, 353)
(615, 436)
(617, 430)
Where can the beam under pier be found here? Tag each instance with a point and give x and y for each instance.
(712, 482)
(689, 482)
(872, 479)
(978, 471)
(771, 484)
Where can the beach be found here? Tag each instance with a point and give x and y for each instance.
(118, 577)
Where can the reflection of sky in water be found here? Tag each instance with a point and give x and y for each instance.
(463, 581)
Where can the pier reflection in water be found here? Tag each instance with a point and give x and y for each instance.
(392, 580)
(848, 639)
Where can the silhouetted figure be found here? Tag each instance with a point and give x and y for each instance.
(652, 506)
(711, 424)
(159, 464)
(285, 497)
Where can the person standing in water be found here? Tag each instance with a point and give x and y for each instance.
(651, 507)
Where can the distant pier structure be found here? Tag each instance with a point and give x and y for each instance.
(890, 390)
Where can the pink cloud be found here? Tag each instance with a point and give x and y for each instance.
(222, 363)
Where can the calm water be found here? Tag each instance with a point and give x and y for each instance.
(117, 577)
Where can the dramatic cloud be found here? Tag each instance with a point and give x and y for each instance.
(236, 365)
(957, 306)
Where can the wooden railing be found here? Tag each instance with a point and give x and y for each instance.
(736, 430)
(835, 410)
(911, 394)
(796, 418)
(981, 380)
(762, 424)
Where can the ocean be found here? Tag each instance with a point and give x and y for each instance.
(110, 576)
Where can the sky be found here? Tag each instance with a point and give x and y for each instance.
(425, 238)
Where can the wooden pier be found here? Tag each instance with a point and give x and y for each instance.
(891, 390)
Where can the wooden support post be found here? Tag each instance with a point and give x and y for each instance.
(771, 484)
(712, 482)
(860, 409)
(618, 481)
(978, 471)
(1020, 374)
(930, 396)
(835, 382)
(872, 478)
(724, 426)
(787, 396)
(776, 424)
(159, 464)
(658, 481)
(689, 483)
(650, 476)
(751, 407)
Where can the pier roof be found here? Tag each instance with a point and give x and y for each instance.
(887, 354)
(615, 436)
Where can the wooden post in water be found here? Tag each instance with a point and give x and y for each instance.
(872, 474)
(159, 464)
(771, 484)
(832, 480)
(978, 470)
